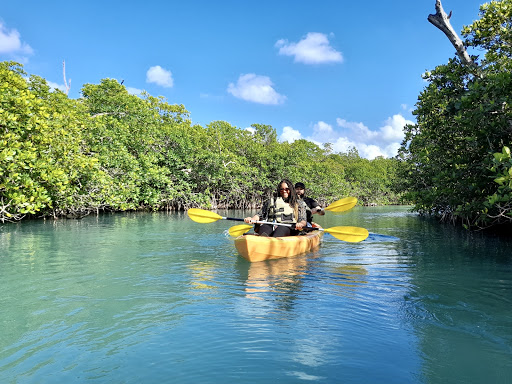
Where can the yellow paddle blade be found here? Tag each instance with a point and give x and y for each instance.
(342, 205)
(203, 216)
(239, 230)
(350, 234)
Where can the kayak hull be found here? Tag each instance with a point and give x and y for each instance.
(260, 248)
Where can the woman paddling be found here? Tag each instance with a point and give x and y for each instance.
(285, 208)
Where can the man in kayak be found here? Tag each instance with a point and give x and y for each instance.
(312, 205)
(286, 208)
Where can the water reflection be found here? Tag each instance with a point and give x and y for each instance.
(350, 276)
(159, 298)
(280, 275)
(202, 275)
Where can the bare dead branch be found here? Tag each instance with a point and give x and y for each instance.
(442, 21)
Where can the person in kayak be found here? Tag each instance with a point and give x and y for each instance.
(284, 207)
(312, 205)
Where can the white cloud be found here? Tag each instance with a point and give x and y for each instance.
(359, 129)
(323, 132)
(384, 141)
(343, 144)
(313, 49)
(372, 143)
(53, 86)
(393, 130)
(11, 43)
(255, 88)
(134, 91)
(160, 76)
(371, 151)
(251, 129)
(290, 135)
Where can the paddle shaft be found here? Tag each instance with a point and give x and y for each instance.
(232, 218)
(287, 225)
(260, 222)
(265, 222)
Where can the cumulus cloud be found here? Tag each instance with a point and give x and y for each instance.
(290, 135)
(255, 88)
(313, 49)
(134, 91)
(384, 141)
(160, 76)
(53, 86)
(10, 42)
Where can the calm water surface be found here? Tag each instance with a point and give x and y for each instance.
(158, 298)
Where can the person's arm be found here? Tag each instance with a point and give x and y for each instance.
(317, 208)
(301, 220)
(262, 213)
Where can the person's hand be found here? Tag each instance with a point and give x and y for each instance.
(300, 225)
(251, 220)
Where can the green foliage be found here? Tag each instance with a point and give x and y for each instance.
(463, 117)
(493, 33)
(110, 150)
(498, 206)
(41, 163)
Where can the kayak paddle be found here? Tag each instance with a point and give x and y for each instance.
(205, 217)
(239, 230)
(345, 233)
(350, 234)
(342, 205)
(202, 216)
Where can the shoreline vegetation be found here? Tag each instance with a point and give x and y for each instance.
(457, 159)
(110, 150)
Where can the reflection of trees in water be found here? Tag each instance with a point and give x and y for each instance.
(458, 302)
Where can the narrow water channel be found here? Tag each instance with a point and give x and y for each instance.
(155, 298)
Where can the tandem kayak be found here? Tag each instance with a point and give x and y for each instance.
(259, 248)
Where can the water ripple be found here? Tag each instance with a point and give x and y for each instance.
(158, 298)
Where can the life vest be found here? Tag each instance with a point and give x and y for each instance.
(281, 211)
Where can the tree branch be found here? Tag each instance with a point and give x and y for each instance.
(442, 21)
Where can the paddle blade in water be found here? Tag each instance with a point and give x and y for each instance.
(342, 205)
(350, 234)
(203, 216)
(239, 230)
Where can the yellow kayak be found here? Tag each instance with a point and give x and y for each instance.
(259, 248)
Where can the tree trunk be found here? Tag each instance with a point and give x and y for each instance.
(442, 21)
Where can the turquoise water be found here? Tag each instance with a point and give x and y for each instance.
(158, 298)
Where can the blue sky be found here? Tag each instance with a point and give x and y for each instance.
(344, 72)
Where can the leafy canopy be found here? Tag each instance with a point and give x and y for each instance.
(463, 119)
